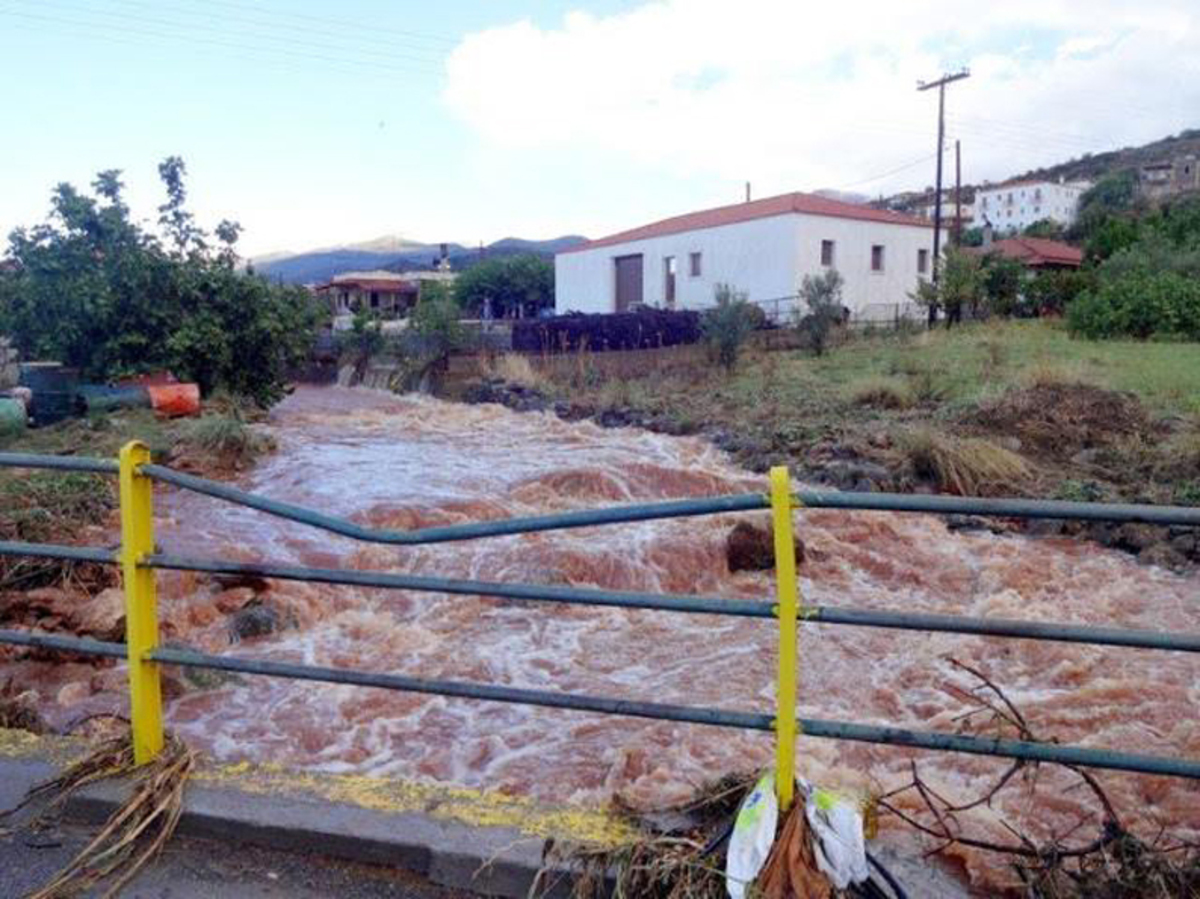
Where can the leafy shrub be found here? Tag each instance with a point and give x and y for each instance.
(727, 325)
(1138, 304)
(642, 329)
(882, 393)
(1049, 293)
(822, 294)
(99, 292)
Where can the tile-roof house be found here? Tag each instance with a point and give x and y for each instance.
(761, 247)
(1034, 252)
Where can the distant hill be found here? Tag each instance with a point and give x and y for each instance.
(397, 255)
(1088, 167)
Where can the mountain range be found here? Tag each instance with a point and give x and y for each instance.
(395, 254)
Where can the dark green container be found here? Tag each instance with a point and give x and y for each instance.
(55, 391)
(99, 398)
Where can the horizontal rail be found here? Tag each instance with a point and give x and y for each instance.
(682, 508)
(745, 502)
(814, 499)
(813, 727)
(60, 463)
(712, 605)
(1004, 627)
(56, 551)
(1000, 508)
(705, 605)
(63, 644)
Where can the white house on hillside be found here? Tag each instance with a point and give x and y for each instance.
(1015, 205)
(762, 247)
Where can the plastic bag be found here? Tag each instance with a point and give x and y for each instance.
(837, 828)
(752, 838)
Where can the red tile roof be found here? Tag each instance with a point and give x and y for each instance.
(785, 204)
(1035, 251)
(392, 286)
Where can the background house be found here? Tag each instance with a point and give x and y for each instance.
(1015, 205)
(1160, 180)
(763, 247)
(1036, 253)
(386, 294)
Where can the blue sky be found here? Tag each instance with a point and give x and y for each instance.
(317, 123)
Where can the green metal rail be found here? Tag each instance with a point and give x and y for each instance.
(136, 473)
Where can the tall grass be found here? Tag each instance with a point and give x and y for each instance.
(966, 466)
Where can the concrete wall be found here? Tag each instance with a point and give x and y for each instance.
(756, 256)
(766, 258)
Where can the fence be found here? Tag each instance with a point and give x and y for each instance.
(139, 560)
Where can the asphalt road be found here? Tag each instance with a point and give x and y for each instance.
(199, 869)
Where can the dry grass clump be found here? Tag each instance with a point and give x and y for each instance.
(679, 856)
(514, 369)
(965, 466)
(882, 393)
(1054, 374)
(135, 832)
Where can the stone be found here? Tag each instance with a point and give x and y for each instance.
(749, 547)
(259, 619)
(1162, 555)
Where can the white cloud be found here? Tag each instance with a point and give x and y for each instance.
(804, 95)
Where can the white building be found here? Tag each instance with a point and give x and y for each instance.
(762, 247)
(1016, 205)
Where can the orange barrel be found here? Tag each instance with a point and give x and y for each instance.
(174, 400)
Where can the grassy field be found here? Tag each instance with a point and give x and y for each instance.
(999, 407)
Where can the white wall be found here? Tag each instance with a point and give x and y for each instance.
(867, 293)
(757, 256)
(1017, 207)
(766, 258)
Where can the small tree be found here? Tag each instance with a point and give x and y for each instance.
(434, 325)
(1004, 285)
(727, 325)
(516, 286)
(822, 294)
(960, 284)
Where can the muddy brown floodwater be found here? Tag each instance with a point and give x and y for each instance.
(407, 462)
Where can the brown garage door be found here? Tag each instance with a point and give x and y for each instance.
(629, 281)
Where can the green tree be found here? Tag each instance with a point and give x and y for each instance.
(960, 284)
(95, 291)
(728, 325)
(1047, 228)
(1003, 281)
(517, 286)
(822, 295)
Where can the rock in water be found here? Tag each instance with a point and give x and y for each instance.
(750, 547)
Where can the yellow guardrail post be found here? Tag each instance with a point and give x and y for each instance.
(788, 593)
(141, 602)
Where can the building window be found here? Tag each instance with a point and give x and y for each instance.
(694, 265)
(669, 281)
(922, 261)
(877, 258)
(827, 252)
(374, 299)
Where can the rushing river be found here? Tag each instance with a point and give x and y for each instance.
(407, 462)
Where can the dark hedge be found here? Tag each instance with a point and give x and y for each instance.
(618, 331)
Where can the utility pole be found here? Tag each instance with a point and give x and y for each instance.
(940, 84)
(747, 191)
(958, 193)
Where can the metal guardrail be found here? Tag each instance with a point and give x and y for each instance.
(140, 560)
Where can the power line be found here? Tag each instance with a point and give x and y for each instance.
(888, 174)
(371, 43)
(193, 39)
(176, 28)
